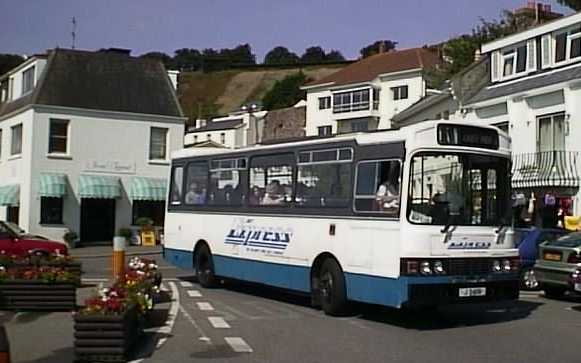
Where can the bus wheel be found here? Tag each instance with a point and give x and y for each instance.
(331, 288)
(205, 267)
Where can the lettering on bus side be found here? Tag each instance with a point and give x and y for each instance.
(259, 238)
(466, 245)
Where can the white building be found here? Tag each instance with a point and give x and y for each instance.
(236, 130)
(367, 94)
(85, 142)
(535, 94)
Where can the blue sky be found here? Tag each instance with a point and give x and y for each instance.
(32, 26)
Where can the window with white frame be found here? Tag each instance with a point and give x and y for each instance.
(568, 45)
(28, 80)
(551, 132)
(58, 136)
(514, 61)
(16, 144)
(325, 130)
(324, 103)
(158, 144)
(400, 93)
(351, 101)
(222, 138)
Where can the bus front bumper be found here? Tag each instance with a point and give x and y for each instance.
(460, 292)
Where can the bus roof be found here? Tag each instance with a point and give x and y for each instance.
(362, 138)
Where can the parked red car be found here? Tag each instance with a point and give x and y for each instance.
(14, 241)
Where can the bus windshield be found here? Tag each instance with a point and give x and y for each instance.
(458, 189)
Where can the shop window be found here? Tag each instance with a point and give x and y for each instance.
(51, 210)
(154, 210)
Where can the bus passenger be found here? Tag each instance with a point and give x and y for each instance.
(255, 196)
(273, 195)
(195, 194)
(387, 196)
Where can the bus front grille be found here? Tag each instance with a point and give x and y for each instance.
(469, 266)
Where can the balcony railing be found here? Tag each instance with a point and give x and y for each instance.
(545, 169)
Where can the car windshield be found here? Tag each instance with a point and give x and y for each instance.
(459, 189)
(571, 240)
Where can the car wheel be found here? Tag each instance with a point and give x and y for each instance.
(205, 267)
(331, 289)
(554, 292)
(40, 253)
(528, 279)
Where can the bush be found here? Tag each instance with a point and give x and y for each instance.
(125, 233)
(70, 237)
(144, 222)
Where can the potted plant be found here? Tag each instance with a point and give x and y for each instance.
(125, 233)
(71, 238)
(145, 223)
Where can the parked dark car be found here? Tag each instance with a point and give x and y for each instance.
(528, 241)
(14, 241)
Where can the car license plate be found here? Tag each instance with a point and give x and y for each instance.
(552, 257)
(472, 291)
(578, 287)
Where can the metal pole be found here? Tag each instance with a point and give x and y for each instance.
(118, 257)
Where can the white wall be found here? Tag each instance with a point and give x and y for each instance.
(103, 138)
(16, 78)
(16, 169)
(230, 136)
(388, 107)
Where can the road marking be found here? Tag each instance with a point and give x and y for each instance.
(186, 284)
(238, 345)
(170, 322)
(204, 306)
(203, 337)
(194, 293)
(218, 322)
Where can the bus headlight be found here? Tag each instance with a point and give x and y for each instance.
(425, 268)
(496, 266)
(506, 266)
(439, 267)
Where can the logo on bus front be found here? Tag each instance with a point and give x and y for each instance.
(261, 238)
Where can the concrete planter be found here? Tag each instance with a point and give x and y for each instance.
(34, 295)
(105, 338)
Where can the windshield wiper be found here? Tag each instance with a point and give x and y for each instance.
(449, 223)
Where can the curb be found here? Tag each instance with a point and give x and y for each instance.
(101, 255)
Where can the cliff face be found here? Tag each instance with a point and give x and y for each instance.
(218, 93)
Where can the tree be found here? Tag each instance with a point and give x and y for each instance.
(314, 54)
(9, 61)
(334, 56)
(240, 55)
(186, 58)
(372, 49)
(573, 4)
(286, 92)
(280, 55)
(164, 58)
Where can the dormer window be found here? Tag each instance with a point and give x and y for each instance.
(28, 80)
(514, 61)
(568, 45)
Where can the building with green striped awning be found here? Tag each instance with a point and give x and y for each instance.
(143, 188)
(52, 185)
(99, 187)
(10, 195)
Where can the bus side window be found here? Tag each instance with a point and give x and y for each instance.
(177, 185)
(271, 180)
(196, 183)
(378, 187)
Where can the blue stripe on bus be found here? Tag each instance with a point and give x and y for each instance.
(274, 274)
(179, 258)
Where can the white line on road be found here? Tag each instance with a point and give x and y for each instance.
(218, 322)
(194, 293)
(204, 306)
(203, 337)
(186, 284)
(238, 345)
(169, 324)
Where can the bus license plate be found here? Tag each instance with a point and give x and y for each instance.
(472, 291)
(578, 287)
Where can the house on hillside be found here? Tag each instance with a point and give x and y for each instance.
(366, 94)
(236, 130)
(85, 140)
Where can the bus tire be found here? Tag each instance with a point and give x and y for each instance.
(331, 289)
(205, 267)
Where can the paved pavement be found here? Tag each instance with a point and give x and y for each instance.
(106, 251)
(247, 323)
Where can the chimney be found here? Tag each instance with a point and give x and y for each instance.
(477, 55)
(382, 47)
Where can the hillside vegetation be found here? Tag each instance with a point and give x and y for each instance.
(218, 93)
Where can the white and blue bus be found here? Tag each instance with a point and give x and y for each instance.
(407, 217)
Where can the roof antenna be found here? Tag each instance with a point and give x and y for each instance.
(74, 32)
